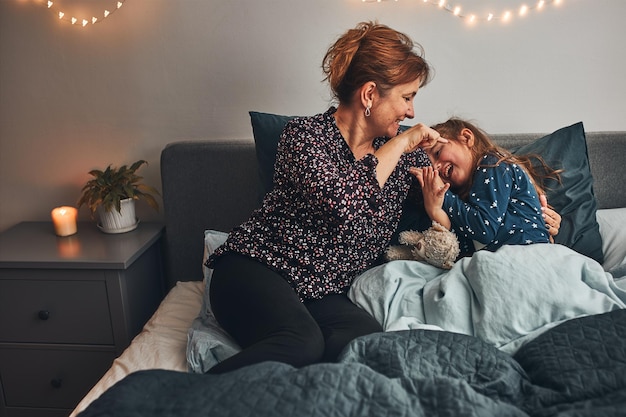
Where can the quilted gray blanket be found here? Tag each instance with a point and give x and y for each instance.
(575, 369)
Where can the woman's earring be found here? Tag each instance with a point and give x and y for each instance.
(367, 111)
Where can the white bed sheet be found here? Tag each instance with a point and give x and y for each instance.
(161, 344)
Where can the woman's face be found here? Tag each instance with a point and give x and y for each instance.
(454, 161)
(392, 108)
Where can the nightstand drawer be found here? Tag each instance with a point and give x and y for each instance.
(53, 311)
(50, 378)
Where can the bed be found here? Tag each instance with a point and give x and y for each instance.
(538, 330)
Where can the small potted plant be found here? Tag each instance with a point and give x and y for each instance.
(112, 194)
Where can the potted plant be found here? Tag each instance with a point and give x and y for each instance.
(112, 194)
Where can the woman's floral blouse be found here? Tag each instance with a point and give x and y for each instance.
(327, 219)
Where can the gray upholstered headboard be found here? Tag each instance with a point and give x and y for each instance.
(206, 185)
(215, 185)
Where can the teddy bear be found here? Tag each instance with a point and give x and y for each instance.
(436, 245)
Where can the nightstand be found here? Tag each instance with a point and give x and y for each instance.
(68, 307)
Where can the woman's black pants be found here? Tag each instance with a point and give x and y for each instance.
(265, 316)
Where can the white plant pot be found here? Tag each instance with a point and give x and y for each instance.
(118, 222)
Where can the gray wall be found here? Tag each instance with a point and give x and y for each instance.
(73, 98)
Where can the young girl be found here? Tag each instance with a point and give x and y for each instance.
(486, 195)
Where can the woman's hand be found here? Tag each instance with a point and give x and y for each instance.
(551, 217)
(421, 136)
(418, 136)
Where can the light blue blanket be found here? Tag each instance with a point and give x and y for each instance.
(506, 297)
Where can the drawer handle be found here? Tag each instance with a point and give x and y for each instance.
(56, 382)
(43, 314)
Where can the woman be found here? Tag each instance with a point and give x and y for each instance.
(341, 177)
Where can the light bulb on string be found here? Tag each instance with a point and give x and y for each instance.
(471, 17)
(523, 10)
(84, 21)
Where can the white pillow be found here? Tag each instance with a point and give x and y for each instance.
(612, 224)
(212, 240)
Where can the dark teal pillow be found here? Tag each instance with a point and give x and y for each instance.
(573, 199)
(266, 129)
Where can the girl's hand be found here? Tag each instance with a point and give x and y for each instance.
(421, 136)
(433, 187)
(434, 191)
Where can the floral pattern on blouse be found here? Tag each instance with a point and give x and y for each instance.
(326, 220)
(503, 208)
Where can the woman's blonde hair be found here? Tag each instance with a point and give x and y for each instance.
(483, 145)
(373, 52)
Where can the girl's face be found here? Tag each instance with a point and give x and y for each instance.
(394, 107)
(454, 160)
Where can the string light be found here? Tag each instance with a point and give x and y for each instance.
(62, 15)
(523, 10)
(505, 16)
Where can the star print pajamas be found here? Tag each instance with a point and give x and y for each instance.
(502, 208)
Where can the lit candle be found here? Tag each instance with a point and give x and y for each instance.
(64, 219)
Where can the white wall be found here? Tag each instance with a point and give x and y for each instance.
(156, 71)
